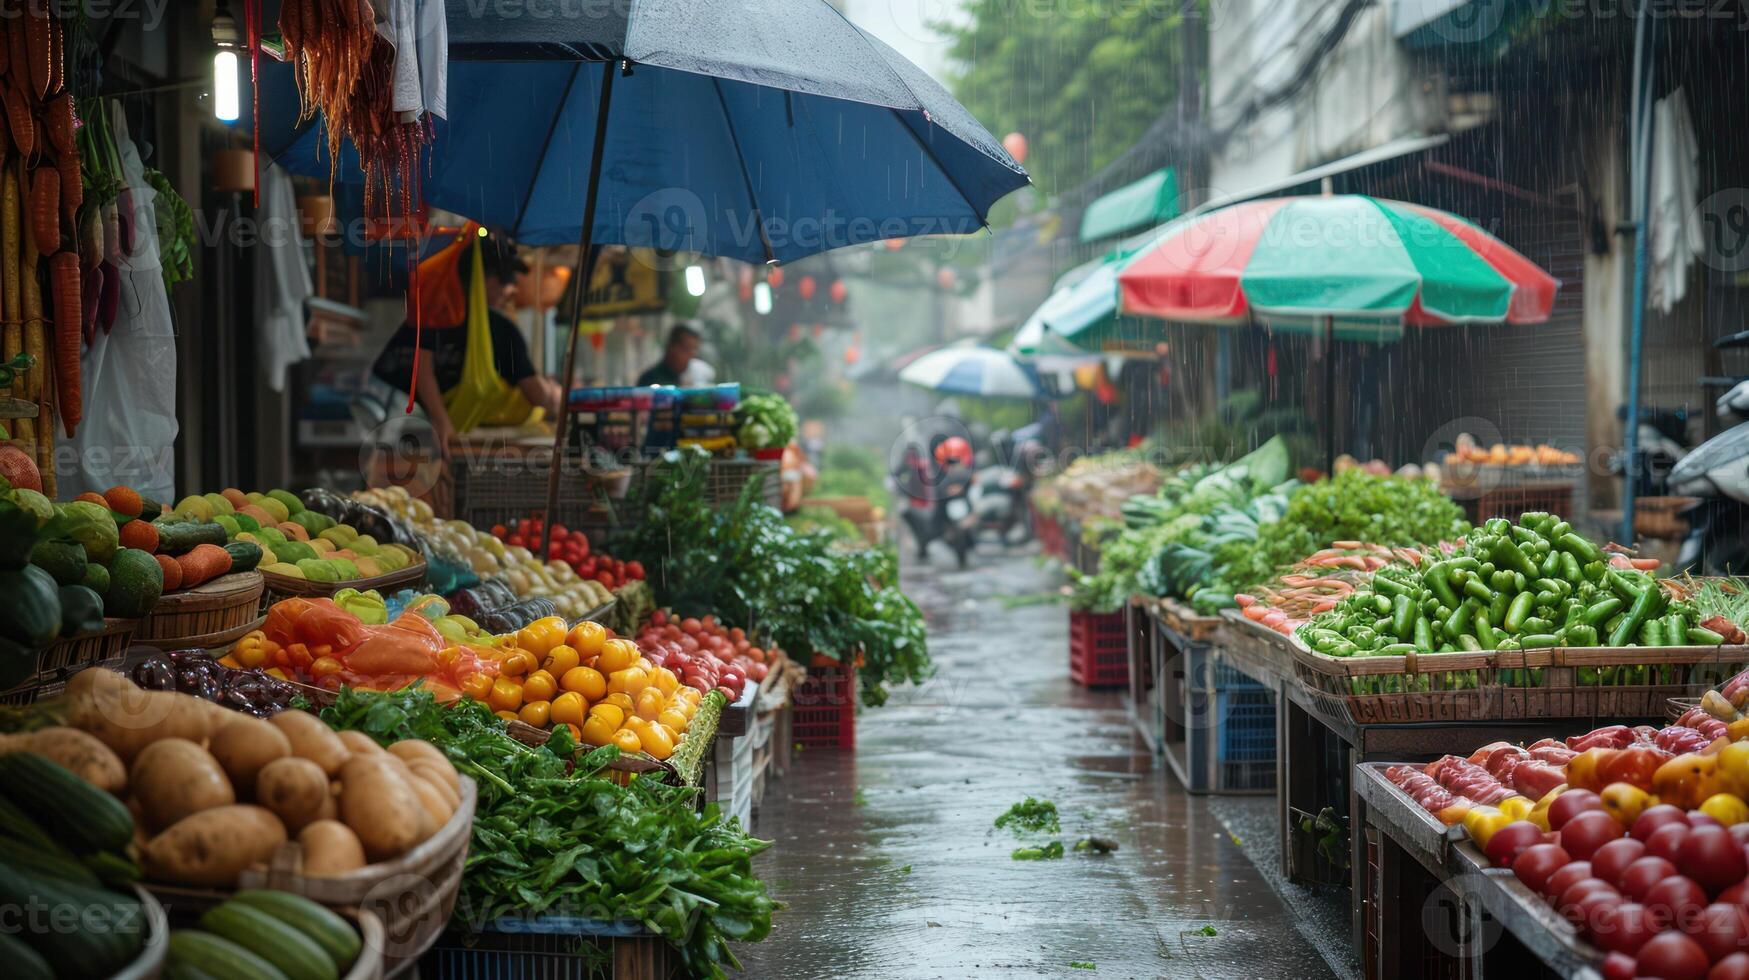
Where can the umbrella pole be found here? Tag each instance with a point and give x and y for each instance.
(1330, 395)
(585, 266)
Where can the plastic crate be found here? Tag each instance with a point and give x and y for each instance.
(551, 949)
(1222, 738)
(1247, 726)
(823, 715)
(1098, 649)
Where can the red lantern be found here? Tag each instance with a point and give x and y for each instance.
(945, 278)
(838, 291)
(805, 287)
(775, 276)
(1015, 144)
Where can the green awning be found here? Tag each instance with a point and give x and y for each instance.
(1143, 204)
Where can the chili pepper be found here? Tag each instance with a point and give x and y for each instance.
(1465, 563)
(1578, 547)
(1701, 636)
(1394, 650)
(1553, 585)
(1572, 612)
(1382, 604)
(1485, 631)
(1652, 633)
(1497, 607)
(1478, 589)
(1536, 624)
(1517, 612)
(1424, 633)
(1507, 555)
(1548, 598)
(1460, 618)
(1569, 566)
(1551, 565)
(1501, 580)
(1435, 579)
(1535, 518)
(1600, 612)
(1429, 605)
(1403, 616)
(1559, 528)
(1593, 571)
(1509, 644)
(1675, 630)
(1385, 585)
(1469, 644)
(1538, 641)
(1622, 585)
(1497, 526)
(1581, 635)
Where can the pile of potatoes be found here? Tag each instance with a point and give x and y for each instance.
(215, 792)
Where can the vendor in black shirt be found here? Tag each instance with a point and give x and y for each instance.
(443, 349)
(682, 347)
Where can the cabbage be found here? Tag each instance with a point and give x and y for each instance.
(92, 526)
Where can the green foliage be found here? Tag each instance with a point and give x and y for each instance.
(175, 220)
(551, 841)
(743, 564)
(765, 421)
(1241, 423)
(1031, 816)
(1081, 82)
(848, 470)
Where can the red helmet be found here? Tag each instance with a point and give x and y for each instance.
(954, 451)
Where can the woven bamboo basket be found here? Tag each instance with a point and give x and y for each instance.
(89, 648)
(216, 613)
(285, 587)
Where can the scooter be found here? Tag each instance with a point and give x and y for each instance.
(1000, 491)
(938, 507)
(1717, 471)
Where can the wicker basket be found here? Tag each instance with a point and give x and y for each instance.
(61, 659)
(181, 907)
(1397, 690)
(285, 587)
(217, 613)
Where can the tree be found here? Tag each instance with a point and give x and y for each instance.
(1081, 79)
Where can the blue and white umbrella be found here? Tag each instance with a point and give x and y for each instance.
(982, 372)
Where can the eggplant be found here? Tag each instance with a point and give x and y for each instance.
(155, 674)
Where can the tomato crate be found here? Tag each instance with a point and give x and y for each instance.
(552, 948)
(1099, 653)
(824, 708)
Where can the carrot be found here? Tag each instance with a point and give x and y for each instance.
(58, 124)
(19, 67)
(64, 277)
(30, 310)
(205, 563)
(18, 117)
(45, 210)
(5, 49)
(72, 188)
(172, 571)
(39, 47)
(57, 56)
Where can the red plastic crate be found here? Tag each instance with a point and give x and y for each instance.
(823, 715)
(1099, 653)
(1049, 534)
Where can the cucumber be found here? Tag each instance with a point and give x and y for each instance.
(218, 957)
(333, 933)
(84, 817)
(47, 862)
(180, 538)
(296, 955)
(21, 961)
(14, 824)
(112, 927)
(244, 555)
(113, 870)
(179, 970)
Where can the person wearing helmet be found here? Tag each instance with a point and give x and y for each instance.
(953, 451)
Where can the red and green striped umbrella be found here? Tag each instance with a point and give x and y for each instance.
(1356, 265)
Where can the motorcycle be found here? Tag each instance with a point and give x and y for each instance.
(1717, 471)
(938, 507)
(1000, 492)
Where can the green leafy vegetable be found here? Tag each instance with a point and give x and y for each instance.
(1031, 816)
(765, 421)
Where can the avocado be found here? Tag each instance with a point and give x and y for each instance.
(63, 558)
(292, 504)
(135, 583)
(294, 552)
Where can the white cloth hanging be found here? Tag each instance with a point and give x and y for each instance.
(128, 374)
(420, 35)
(282, 279)
(1677, 236)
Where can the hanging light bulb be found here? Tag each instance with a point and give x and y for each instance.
(695, 280)
(762, 298)
(227, 105)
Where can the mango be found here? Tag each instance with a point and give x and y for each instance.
(340, 534)
(293, 532)
(236, 497)
(319, 570)
(220, 504)
(284, 568)
(322, 547)
(367, 567)
(196, 507)
(288, 499)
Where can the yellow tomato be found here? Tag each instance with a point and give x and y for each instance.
(692, 694)
(1482, 822)
(325, 666)
(1625, 802)
(1734, 764)
(665, 680)
(506, 695)
(540, 636)
(650, 703)
(506, 715)
(1726, 808)
(569, 707)
(620, 700)
(586, 681)
(616, 655)
(586, 638)
(518, 662)
(632, 680)
(561, 659)
(674, 718)
(655, 741)
(673, 736)
(628, 740)
(536, 713)
(539, 686)
(597, 731)
(610, 713)
(1516, 807)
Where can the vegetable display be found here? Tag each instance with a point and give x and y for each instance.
(765, 421)
(1533, 584)
(553, 839)
(266, 933)
(292, 539)
(573, 548)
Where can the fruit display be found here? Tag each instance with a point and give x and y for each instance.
(1468, 452)
(63, 846)
(225, 681)
(217, 792)
(598, 686)
(261, 933)
(571, 547)
(461, 544)
(64, 567)
(704, 653)
(316, 641)
(1533, 584)
(293, 540)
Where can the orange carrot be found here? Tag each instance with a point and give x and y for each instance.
(205, 563)
(18, 116)
(45, 210)
(57, 56)
(58, 124)
(38, 46)
(64, 282)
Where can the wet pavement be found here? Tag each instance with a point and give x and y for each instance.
(890, 864)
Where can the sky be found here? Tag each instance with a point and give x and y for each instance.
(903, 25)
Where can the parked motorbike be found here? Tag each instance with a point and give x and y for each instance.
(1717, 471)
(1000, 492)
(938, 506)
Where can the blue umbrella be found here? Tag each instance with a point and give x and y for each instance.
(765, 131)
(981, 372)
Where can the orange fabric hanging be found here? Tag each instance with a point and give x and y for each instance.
(440, 302)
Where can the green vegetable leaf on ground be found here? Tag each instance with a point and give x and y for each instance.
(1030, 816)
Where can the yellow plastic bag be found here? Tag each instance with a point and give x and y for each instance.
(482, 397)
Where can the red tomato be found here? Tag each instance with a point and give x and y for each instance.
(1587, 831)
(698, 684)
(1655, 817)
(1721, 930)
(1626, 928)
(1672, 956)
(1713, 858)
(607, 579)
(1634, 764)
(1535, 864)
(500, 532)
(1613, 858)
(635, 569)
(1570, 804)
(659, 618)
(1571, 902)
(1638, 879)
(1676, 900)
(758, 672)
(1697, 820)
(1737, 894)
(691, 626)
(1619, 966)
(1732, 967)
(729, 693)
(1666, 841)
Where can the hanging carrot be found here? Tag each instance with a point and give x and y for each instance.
(58, 124)
(64, 281)
(45, 210)
(23, 127)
